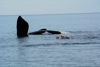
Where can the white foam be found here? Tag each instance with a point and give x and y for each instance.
(64, 32)
(46, 33)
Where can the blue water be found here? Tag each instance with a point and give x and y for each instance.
(82, 50)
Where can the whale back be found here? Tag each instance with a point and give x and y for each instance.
(62, 37)
(22, 27)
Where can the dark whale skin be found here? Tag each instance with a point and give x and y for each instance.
(22, 27)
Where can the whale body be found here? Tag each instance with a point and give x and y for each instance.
(62, 37)
(23, 26)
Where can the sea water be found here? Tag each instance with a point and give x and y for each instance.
(82, 50)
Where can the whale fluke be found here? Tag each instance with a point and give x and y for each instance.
(37, 32)
(41, 31)
(53, 32)
(22, 27)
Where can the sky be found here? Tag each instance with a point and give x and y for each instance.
(31, 7)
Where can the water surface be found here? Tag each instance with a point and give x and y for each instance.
(83, 50)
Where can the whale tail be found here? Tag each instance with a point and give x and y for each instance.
(53, 32)
(22, 27)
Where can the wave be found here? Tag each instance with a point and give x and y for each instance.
(55, 44)
(48, 44)
(85, 34)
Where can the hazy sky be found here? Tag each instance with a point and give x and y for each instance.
(20, 7)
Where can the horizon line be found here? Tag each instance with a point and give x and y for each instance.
(50, 14)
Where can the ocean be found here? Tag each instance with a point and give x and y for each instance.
(82, 50)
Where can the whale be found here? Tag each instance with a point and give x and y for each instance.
(44, 31)
(23, 26)
(62, 37)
